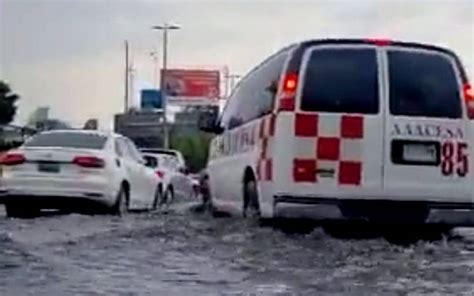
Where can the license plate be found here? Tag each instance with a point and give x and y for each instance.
(48, 167)
(420, 153)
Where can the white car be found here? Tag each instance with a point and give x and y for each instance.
(372, 130)
(75, 169)
(176, 182)
(167, 152)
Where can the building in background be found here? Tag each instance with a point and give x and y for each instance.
(145, 128)
(40, 114)
(39, 120)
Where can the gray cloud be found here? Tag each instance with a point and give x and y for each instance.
(69, 54)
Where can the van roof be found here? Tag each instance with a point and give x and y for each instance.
(387, 42)
(382, 42)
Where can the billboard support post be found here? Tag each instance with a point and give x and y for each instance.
(165, 27)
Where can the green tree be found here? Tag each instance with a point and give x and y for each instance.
(194, 147)
(7, 103)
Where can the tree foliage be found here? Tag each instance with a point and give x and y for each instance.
(7, 103)
(194, 147)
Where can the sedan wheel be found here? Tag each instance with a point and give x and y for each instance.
(168, 196)
(121, 203)
(157, 199)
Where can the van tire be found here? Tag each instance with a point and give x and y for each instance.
(251, 204)
(17, 211)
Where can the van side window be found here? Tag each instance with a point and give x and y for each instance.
(230, 111)
(255, 95)
(341, 80)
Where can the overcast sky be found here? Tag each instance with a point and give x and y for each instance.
(69, 54)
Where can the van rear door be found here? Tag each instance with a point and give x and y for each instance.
(338, 123)
(426, 137)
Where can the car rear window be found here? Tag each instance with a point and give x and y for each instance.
(68, 140)
(151, 161)
(423, 84)
(341, 80)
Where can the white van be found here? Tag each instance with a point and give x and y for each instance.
(348, 129)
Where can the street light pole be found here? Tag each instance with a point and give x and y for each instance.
(127, 78)
(165, 28)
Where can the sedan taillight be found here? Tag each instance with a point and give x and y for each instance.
(10, 159)
(160, 174)
(89, 162)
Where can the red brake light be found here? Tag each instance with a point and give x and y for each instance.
(379, 41)
(12, 159)
(287, 97)
(290, 83)
(89, 162)
(160, 174)
(468, 93)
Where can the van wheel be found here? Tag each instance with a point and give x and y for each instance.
(414, 233)
(121, 203)
(294, 226)
(251, 205)
(17, 211)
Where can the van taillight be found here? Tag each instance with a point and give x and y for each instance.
(12, 159)
(89, 162)
(288, 93)
(468, 93)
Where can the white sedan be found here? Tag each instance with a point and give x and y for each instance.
(76, 169)
(176, 182)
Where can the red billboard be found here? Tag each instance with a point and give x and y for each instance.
(184, 86)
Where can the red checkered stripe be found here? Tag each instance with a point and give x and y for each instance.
(328, 143)
(266, 131)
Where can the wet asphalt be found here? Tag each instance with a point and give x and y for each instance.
(181, 252)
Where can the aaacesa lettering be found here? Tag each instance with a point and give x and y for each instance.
(427, 131)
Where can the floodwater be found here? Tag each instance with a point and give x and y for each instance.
(181, 252)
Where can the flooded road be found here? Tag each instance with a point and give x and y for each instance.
(184, 253)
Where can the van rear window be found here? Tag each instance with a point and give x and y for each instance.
(423, 84)
(341, 80)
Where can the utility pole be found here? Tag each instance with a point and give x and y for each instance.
(132, 83)
(125, 106)
(165, 28)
